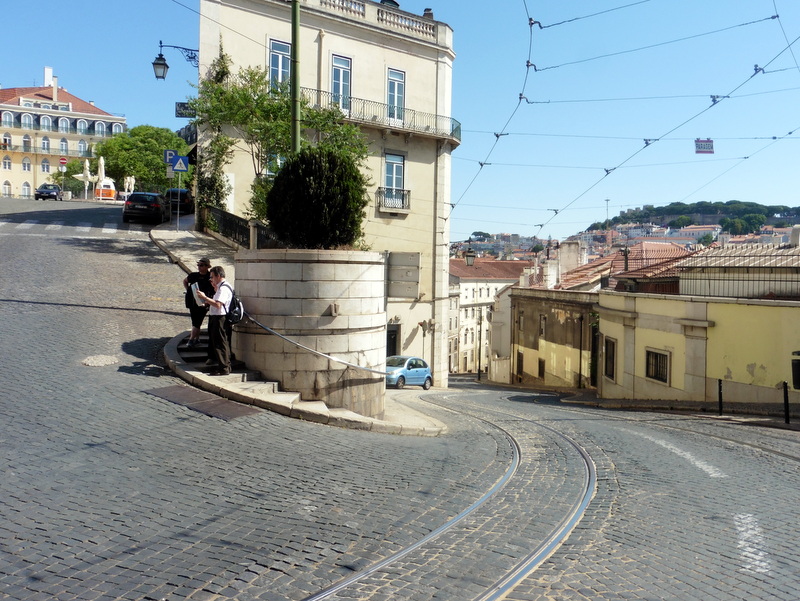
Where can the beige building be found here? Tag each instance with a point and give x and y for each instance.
(390, 72)
(39, 126)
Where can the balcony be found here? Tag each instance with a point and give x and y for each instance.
(36, 150)
(385, 116)
(393, 200)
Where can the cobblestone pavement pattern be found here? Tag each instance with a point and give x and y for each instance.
(108, 492)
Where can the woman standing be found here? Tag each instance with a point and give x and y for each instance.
(202, 278)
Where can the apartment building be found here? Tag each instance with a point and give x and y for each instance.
(39, 125)
(390, 72)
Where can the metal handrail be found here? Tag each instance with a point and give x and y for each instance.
(374, 113)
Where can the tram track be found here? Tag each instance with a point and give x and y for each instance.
(524, 563)
(511, 423)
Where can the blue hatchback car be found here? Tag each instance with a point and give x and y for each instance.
(404, 370)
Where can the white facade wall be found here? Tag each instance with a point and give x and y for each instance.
(374, 38)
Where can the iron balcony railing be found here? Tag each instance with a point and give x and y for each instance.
(56, 129)
(393, 199)
(385, 115)
(52, 151)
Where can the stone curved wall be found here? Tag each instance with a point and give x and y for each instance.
(328, 301)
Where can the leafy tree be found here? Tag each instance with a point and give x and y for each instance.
(754, 221)
(140, 152)
(706, 239)
(318, 199)
(249, 107)
(682, 221)
(481, 235)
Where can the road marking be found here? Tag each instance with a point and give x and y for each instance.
(56, 225)
(751, 544)
(109, 228)
(698, 463)
(83, 227)
(26, 225)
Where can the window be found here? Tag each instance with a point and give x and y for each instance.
(46, 144)
(280, 61)
(542, 324)
(657, 366)
(6, 188)
(341, 82)
(26, 190)
(26, 143)
(8, 119)
(82, 147)
(610, 363)
(45, 166)
(46, 123)
(100, 128)
(116, 128)
(63, 146)
(83, 126)
(7, 162)
(6, 140)
(396, 94)
(27, 121)
(26, 164)
(63, 124)
(394, 181)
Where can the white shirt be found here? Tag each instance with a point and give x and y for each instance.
(223, 295)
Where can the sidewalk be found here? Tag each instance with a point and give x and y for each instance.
(184, 246)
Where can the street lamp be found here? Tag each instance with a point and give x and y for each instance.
(160, 66)
(469, 256)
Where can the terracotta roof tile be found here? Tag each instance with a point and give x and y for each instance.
(13, 95)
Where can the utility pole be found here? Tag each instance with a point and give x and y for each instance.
(295, 79)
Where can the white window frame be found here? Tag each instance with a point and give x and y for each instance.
(395, 95)
(8, 119)
(46, 123)
(26, 164)
(116, 128)
(46, 144)
(99, 129)
(26, 190)
(653, 368)
(26, 121)
(63, 146)
(6, 188)
(82, 147)
(63, 125)
(394, 179)
(82, 127)
(280, 62)
(341, 81)
(7, 163)
(45, 166)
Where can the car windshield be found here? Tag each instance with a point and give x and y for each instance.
(49, 187)
(140, 198)
(395, 361)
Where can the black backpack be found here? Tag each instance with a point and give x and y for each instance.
(235, 312)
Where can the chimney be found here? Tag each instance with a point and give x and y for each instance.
(428, 14)
(48, 77)
(794, 239)
(55, 88)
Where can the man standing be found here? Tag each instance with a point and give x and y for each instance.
(218, 308)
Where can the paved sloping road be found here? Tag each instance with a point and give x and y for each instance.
(108, 492)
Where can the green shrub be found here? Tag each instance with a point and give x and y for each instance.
(317, 200)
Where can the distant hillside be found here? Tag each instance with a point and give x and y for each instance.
(707, 213)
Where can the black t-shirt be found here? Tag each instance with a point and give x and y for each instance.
(203, 282)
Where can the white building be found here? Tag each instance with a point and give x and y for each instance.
(39, 125)
(390, 72)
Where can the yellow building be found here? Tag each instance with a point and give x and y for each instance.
(390, 72)
(737, 338)
(39, 126)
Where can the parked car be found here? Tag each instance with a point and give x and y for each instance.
(146, 205)
(48, 192)
(180, 199)
(402, 370)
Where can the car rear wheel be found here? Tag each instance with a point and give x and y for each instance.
(401, 382)
(427, 384)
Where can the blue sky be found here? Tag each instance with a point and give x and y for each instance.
(608, 75)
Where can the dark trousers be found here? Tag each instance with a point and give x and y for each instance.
(219, 342)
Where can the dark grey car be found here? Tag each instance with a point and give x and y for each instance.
(146, 205)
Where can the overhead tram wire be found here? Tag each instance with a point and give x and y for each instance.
(609, 171)
(691, 37)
